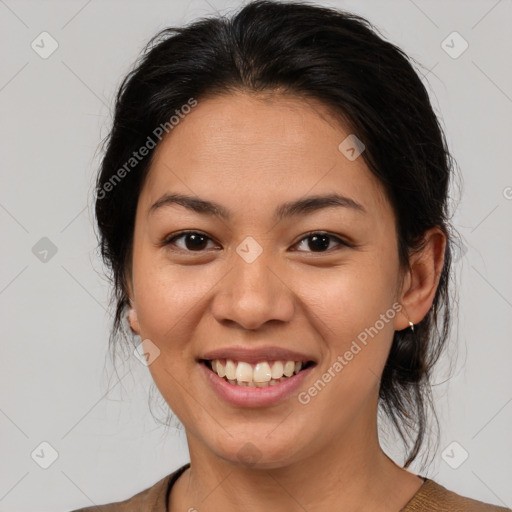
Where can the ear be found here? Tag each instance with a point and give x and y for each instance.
(422, 278)
(133, 319)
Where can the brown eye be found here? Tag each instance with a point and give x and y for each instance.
(320, 242)
(191, 241)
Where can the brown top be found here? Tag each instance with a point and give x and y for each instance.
(431, 497)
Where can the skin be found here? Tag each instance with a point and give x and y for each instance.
(250, 153)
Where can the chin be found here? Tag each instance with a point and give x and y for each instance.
(257, 452)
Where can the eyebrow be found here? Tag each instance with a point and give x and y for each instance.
(288, 209)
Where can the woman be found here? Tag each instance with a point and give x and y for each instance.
(273, 206)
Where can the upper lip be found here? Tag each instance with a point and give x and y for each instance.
(253, 356)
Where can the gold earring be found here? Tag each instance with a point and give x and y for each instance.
(411, 325)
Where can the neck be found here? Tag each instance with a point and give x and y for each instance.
(350, 472)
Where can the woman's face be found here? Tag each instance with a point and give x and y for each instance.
(257, 281)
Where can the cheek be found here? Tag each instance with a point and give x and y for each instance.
(349, 299)
(354, 314)
(353, 308)
(166, 298)
(169, 301)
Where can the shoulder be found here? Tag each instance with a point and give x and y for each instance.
(435, 498)
(144, 500)
(152, 499)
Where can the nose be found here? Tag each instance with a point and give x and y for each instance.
(252, 294)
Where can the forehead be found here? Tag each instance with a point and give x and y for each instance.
(254, 151)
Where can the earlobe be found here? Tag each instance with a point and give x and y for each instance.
(422, 281)
(133, 319)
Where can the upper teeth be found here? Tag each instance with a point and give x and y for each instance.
(260, 372)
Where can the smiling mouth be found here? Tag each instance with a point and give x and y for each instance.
(260, 375)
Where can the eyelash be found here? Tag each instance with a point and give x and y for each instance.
(169, 240)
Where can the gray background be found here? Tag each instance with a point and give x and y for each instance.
(57, 385)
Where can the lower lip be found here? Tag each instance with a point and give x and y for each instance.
(243, 396)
